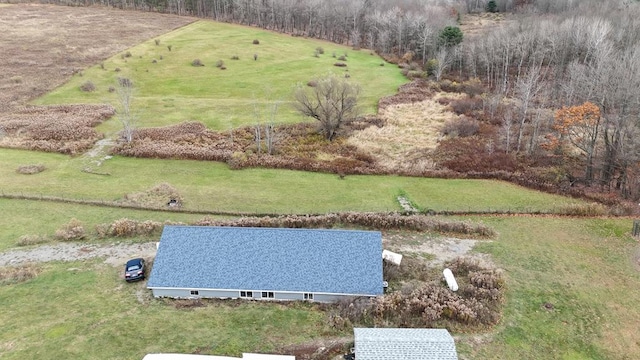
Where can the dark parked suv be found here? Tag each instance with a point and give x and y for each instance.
(134, 270)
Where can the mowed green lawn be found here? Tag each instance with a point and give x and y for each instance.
(585, 270)
(84, 310)
(212, 186)
(169, 90)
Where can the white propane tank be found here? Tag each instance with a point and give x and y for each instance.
(451, 280)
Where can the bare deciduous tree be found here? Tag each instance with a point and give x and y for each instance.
(331, 102)
(124, 91)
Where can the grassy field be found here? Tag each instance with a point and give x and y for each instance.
(583, 270)
(169, 90)
(213, 186)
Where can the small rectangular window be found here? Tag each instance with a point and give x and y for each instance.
(267, 294)
(247, 294)
(308, 296)
(194, 292)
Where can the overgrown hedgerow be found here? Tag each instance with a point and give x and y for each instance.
(368, 220)
(478, 302)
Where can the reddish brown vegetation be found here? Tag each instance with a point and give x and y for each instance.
(419, 302)
(67, 129)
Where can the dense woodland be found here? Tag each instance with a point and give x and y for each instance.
(561, 78)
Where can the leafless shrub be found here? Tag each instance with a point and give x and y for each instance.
(111, 89)
(235, 57)
(88, 86)
(342, 58)
(116, 69)
(157, 41)
(27, 240)
(71, 231)
(16, 79)
(30, 169)
(125, 82)
(312, 83)
(129, 228)
(466, 105)
(197, 62)
(219, 64)
(256, 42)
(462, 126)
(320, 50)
(127, 54)
(154, 61)
(17, 274)
(169, 47)
(340, 64)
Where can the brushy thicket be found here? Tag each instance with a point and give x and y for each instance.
(17, 274)
(419, 303)
(67, 129)
(129, 228)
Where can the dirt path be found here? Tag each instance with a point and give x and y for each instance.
(114, 254)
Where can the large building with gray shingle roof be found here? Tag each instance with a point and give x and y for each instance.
(267, 263)
(405, 344)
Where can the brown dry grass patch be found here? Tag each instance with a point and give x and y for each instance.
(17, 274)
(156, 197)
(67, 129)
(411, 132)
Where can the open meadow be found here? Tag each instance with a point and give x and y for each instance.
(571, 283)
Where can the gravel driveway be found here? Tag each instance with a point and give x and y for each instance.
(115, 253)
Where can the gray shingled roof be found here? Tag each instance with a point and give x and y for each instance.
(406, 344)
(269, 259)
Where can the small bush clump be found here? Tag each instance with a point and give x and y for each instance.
(256, 42)
(17, 274)
(27, 240)
(219, 64)
(320, 50)
(71, 231)
(157, 41)
(340, 64)
(30, 169)
(129, 228)
(169, 47)
(197, 62)
(88, 86)
(342, 58)
(235, 57)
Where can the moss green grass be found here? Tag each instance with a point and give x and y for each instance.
(169, 90)
(85, 311)
(583, 269)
